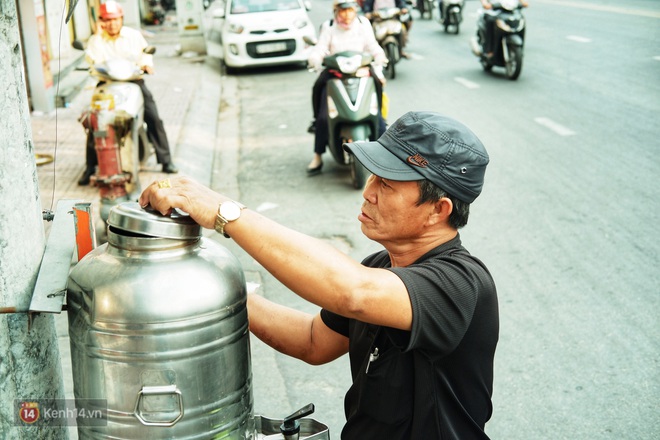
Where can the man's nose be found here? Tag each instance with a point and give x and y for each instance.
(368, 192)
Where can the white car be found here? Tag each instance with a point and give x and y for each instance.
(249, 33)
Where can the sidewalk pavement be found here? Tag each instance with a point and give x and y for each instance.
(187, 89)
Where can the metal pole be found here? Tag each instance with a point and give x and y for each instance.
(30, 368)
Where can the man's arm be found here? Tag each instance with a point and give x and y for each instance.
(294, 333)
(145, 61)
(322, 47)
(311, 268)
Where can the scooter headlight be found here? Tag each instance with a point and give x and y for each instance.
(349, 65)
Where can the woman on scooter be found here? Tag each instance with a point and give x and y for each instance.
(346, 31)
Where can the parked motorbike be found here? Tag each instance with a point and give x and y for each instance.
(115, 118)
(388, 25)
(155, 13)
(509, 37)
(452, 14)
(353, 108)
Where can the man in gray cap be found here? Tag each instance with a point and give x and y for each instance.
(418, 319)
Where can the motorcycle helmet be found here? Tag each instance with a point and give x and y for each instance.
(344, 4)
(110, 10)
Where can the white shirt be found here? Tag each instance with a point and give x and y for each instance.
(129, 45)
(359, 37)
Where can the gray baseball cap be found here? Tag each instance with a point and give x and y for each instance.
(427, 145)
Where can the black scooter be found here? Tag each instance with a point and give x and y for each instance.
(509, 36)
(451, 13)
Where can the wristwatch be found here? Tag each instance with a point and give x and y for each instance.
(228, 211)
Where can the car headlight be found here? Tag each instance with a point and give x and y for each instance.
(300, 23)
(236, 28)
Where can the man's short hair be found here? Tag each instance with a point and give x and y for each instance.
(429, 192)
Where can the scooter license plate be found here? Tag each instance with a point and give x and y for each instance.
(271, 47)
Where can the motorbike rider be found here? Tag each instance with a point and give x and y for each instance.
(345, 32)
(489, 20)
(369, 6)
(114, 40)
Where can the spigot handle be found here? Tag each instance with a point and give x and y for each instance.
(302, 412)
(291, 426)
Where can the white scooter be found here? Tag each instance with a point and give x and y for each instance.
(115, 119)
(389, 31)
(353, 107)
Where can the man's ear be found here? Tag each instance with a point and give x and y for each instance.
(442, 209)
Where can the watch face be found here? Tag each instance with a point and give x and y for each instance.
(230, 211)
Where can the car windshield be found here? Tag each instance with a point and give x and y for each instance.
(248, 6)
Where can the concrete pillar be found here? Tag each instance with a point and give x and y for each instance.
(30, 366)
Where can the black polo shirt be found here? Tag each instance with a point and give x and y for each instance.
(435, 381)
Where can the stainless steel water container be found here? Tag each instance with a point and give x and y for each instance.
(158, 330)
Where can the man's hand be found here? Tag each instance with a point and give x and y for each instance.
(148, 69)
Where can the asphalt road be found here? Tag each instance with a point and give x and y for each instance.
(567, 221)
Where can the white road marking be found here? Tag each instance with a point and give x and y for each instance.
(554, 126)
(467, 83)
(578, 39)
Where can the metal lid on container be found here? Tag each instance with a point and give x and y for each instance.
(131, 217)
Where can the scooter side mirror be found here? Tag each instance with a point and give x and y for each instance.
(77, 44)
(149, 50)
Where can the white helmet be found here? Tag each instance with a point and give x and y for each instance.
(344, 4)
